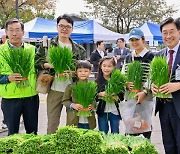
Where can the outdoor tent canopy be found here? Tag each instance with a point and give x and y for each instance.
(152, 32)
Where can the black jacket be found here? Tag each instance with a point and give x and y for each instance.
(102, 104)
(94, 59)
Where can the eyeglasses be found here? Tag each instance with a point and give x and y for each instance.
(166, 33)
(64, 27)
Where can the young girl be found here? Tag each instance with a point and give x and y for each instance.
(107, 111)
(140, 108)
(83, 70)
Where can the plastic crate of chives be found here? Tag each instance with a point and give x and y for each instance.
(62, 60)
(159, 74)
(115, 85)
(19, 60)
(137, 72)
(84, 94)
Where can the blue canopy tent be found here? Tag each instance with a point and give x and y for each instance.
(38, 27)
(88, 31)
(152, 33)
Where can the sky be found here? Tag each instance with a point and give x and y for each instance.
(75, 6)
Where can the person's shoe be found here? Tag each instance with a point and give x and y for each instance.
(3, 126)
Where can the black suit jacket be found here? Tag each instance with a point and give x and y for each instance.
(94, 59)
(176, 94)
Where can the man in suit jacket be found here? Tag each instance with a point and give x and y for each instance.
(120, 52)
(169, 108)
(97, 55)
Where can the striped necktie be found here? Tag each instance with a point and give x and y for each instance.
(170, 61)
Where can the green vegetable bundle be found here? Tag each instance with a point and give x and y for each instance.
(115, 85)
(31, 145)
(48, 145)
(8, 144)
(90, 142)
(20, 61)
(159, 74)
(62, 59)
(144, 148)
(135, 74)
(132, 141)
(84, 93)
(71, 140)
(114, 144)
(67, 138)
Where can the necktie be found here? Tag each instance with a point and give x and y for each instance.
(170, 61)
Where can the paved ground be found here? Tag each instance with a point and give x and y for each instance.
(156, 134)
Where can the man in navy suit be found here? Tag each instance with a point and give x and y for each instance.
(97, 55)
(120, 52)
(169, 108)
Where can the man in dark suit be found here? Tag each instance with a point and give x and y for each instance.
(169, 108)
(120, 52)
(97, 55)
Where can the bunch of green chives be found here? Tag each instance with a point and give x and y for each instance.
(20, 61)
(135, 74)
(115, 85)
(62, 59)
(159, 74)
(84, 93)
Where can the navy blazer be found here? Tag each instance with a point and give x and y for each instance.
(176, 94)
(94, 59)
(117, 51)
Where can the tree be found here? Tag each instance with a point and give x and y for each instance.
(28, 9)
(122, 15)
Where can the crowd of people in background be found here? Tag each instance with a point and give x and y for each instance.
(103, 60)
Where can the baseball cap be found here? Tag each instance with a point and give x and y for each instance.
(136, 33)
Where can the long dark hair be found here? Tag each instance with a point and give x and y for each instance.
(100, 73)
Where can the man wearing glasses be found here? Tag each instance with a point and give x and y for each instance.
(54, 98)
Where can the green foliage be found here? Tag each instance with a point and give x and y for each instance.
(23, 136)
(159, 73)
(84, 93)
(62, 59)
(67, 138)
(114, 144)
(90, 142)
(48, 145)
(72, 140)
(131, 141)
(117, 143)
(8, 144)
(19, 60)
(134, 74)
(29, 146)
(120, 15)
(144, 148)
(117, 147)
(115, 85)
(28, 9)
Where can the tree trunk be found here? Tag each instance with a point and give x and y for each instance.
(118, 30)
(122, 26)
